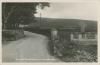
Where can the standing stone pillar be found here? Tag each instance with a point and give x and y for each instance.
(54, 38)
(54, 34)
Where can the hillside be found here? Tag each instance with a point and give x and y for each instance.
(47, 23)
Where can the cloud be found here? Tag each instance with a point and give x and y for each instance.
(70, 10)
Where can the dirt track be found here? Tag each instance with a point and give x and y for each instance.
(31, 48)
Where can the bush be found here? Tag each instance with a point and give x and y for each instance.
(69, 51)
(10, 35)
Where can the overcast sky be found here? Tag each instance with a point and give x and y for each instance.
(86, 11)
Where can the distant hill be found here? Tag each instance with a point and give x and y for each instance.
(47, 23)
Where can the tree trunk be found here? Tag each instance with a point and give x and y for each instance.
(7, 17)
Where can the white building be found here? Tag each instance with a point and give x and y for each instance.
(88, 36)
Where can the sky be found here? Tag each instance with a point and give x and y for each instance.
(87, 11)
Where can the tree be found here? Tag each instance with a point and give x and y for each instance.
(19, 13)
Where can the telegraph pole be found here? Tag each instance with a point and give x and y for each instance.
(39, 6)
(40, 16)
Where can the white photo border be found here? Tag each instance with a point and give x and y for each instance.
(49, 63)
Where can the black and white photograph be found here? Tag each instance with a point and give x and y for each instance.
(49, 32)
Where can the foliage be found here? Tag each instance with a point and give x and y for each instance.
(22, 13)
(11, 35)
(69, 51)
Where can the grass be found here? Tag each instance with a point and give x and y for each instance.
(72, 52)
(81, 54)
(76, 53)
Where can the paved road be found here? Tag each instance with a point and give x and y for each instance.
(31, 48)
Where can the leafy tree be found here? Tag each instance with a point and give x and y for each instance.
(19, 13)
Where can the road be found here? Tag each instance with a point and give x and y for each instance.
(32, 48)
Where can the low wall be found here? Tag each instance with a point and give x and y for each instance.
(12, 34)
